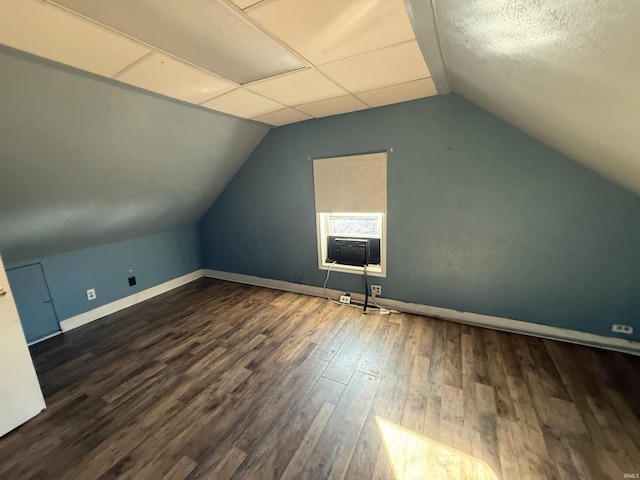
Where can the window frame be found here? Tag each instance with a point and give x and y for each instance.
(323, 228)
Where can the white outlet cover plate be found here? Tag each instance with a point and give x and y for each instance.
(622, 329)
(91, 294)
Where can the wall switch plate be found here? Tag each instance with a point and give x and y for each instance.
(345, 299)
(91, 294)
(628, 329)
(376, 290)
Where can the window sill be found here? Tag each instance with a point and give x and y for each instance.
(372, 270)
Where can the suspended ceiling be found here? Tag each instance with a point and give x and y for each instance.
(275, 61)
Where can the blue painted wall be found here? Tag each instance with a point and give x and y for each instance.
(481, 217)
(154, 259)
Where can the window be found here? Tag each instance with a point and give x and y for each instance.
(355, 225)
(351, 202)
(351, 225)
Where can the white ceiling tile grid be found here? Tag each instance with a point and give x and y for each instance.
(166, 75)
(283, 117)
(333, 106)
(275, 61)
(388, 66)
(330, 30)
(298, 87)
(50, 32)
(243, 103)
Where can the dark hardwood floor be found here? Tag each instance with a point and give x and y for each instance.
(220, 380)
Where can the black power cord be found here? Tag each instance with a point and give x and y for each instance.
(366, 290)
(354, 303)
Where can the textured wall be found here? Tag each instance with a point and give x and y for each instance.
(565, 71)
(153, 259)
(86, 161)
(482, 217)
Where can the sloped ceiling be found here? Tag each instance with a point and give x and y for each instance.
(87, 161)
(565, 71)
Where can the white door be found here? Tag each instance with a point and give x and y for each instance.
(20, 394)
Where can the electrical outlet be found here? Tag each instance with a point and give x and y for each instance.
(132, 281)
(91, 294)
(376, 290)
(628, 329)
(345, 298)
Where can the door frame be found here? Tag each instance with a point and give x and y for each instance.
(53, 305)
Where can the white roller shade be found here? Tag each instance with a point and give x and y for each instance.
(355, 184)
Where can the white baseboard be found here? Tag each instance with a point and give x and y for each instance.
(113, 307)
(46, 337)
(469, 318)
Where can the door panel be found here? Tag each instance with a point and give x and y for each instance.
(32, 297)
(20, 394)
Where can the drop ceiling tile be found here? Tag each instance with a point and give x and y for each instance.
(399, 93)
(388, 66)
(165, 75)
(50, 32)
(333, 106)
(329, 30)
(305, 86)
(209, 33)
(245, 3)
(283, 117)
(243, 103)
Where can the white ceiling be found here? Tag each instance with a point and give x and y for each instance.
(565, 71)
(354, 54)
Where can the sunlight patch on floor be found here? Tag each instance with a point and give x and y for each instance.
(415, 457)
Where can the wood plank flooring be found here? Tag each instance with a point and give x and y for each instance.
(226, 381)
